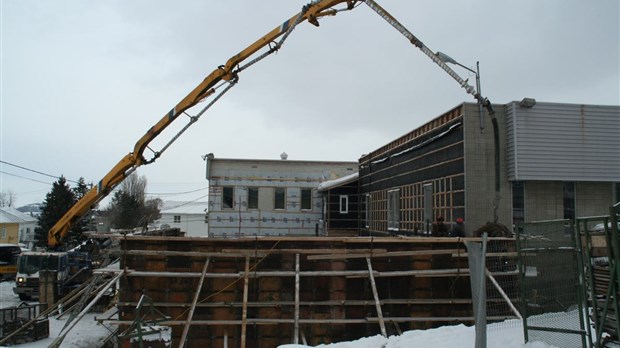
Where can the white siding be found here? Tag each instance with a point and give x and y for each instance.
(565, 142)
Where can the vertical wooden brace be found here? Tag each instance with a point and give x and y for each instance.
(190, 315)
(244, 319)
(296, 328)
(376, 295)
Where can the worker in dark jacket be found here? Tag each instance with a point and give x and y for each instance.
(458, 229)
(440, 229)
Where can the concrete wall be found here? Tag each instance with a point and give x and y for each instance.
(593, 198)
(544, 200)
(480, 169)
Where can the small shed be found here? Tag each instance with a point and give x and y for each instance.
(189, 217)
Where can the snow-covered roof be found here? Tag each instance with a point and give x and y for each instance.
(326, 185)
(12, 215)
(189, 208)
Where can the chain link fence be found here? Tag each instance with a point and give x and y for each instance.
(552, 299)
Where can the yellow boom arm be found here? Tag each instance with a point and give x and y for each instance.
(228, 73)
(133, 160)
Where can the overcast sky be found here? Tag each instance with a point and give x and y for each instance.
(82, 81)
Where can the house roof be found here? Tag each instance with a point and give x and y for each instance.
(12, 215)
(326, 185)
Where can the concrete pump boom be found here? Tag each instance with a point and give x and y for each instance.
(225, 74)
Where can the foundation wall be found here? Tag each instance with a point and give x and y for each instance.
(325, 296)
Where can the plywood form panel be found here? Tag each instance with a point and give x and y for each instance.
(272, 297)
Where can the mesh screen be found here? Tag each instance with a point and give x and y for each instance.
(551, 293)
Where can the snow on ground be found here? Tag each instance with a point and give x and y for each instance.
(88, 333)
(504, 336)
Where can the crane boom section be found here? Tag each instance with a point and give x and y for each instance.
(131, 161)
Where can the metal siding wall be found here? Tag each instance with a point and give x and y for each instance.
(567, 142)
(510, 142)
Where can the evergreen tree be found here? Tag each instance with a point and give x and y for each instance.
(55, 205)
(85, 222)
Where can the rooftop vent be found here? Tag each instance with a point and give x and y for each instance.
(283, 156)
(527, 103)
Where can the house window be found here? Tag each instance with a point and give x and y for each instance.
(367, 210)
(569, 200)
(252, 197)
(518, 202)
(227, 198)
(306, 199)
(177, 219)
(280, 195)
(344, 204)
(393, 210)
(3, 234)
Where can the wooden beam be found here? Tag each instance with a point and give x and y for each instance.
(313, 303)
(244, 313)
(272, 321)
(448, 272)
(503, 294)
(376, 296)
(382, 253)
(65, 330)
(331, 251)
(197, 254)
(296, 325)
(190, 315)
(313, 240)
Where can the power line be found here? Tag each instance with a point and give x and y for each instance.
(175, 193)
(23, 177)
(34, 171)
(186, 203)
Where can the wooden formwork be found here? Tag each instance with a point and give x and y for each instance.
(263, 292)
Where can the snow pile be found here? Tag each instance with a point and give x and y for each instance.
(506, 336)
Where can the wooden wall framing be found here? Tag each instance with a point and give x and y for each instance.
(263, 292)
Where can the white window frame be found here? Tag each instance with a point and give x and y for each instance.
(177, 219)
(345, 209)
(394, 210)
(367, 212)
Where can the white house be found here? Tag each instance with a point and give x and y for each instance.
(268, 197)
(190, 217)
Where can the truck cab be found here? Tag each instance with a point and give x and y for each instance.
(28, 266)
